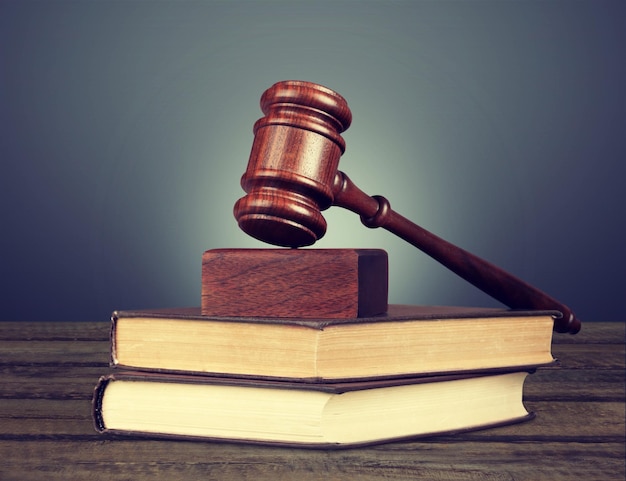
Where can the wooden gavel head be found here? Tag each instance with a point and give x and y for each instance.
(293, 164)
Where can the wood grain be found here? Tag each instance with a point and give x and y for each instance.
(305, 283)
(48, 371)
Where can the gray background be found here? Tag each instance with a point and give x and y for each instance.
(125, 127)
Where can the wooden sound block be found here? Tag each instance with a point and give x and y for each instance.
(300, 283)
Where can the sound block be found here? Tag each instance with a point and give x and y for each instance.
(300, 283)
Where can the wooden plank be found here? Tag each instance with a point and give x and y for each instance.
(58, 353)
(55, 331)
(49, 382)
(595, 333)
(590, 356)
(38, 409)
(576, 385)
(556, 421)
(76, 382)
(117, 460)
(561, 421)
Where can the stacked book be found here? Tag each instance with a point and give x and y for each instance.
(412, 371)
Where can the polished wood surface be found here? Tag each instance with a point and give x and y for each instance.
(46, 433)
(292, 176)
(296, 283)
(294, 158)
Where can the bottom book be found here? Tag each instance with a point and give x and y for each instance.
(311, 415)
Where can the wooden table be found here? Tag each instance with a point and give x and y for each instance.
(46, 433)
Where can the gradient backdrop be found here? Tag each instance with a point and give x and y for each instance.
(125, 127)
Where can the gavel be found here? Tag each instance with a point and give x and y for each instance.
(292, 176)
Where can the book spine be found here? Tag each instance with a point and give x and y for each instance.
(113, 340)
(96, 403)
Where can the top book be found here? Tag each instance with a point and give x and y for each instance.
(406, 341)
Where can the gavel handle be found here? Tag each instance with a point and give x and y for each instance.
(376, 212)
